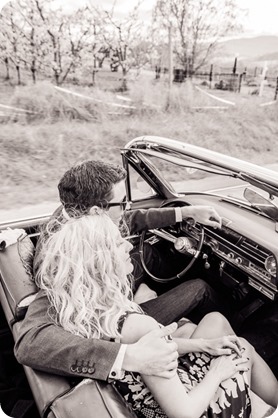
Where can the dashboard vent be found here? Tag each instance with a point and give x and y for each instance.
(254, 250)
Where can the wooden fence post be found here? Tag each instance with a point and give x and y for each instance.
(263, 77)
(276, 89)
(210, 75)
(170, 56)
(235, 66)
(240, 81)
(244, 73)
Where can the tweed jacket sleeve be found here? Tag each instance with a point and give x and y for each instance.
(142, 219)
(45, 346)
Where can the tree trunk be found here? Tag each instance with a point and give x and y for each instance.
(7, 68)
(100, 62)
(33, 71)
(56, 75)
(124, 80)
(94, 71)
(56, 61)
(18, 74)
(67, 72)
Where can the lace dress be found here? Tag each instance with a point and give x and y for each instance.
(232, 399)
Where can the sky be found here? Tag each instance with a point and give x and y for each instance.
(262, 14)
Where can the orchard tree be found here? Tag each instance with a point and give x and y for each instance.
(34, 46)
(4, 54)
(69, 35)
(12, 48)
(141, 54)
(80, 30)
(197, 25)
(123, 37)
(53, 24)
(94, 51)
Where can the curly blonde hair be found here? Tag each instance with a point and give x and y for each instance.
(84, 276)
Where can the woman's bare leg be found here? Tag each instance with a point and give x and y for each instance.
(213, 325)
(263, 382)
(185, 328)
(185, 331)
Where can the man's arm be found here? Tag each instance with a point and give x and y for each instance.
(45, 346)
(144, 219)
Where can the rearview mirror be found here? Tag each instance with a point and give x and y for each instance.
(261, 203)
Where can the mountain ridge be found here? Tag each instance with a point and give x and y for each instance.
(263, 47)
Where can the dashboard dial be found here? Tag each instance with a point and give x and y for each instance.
(270, 265)
(214, 245)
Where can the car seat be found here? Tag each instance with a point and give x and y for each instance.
(54, 395)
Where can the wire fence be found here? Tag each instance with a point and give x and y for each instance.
(225, 79)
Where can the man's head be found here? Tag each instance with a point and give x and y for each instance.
(89, 183)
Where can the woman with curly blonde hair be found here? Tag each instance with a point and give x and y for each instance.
(85, 276)
(85, 273)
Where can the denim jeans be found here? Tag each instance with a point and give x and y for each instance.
(191, 299)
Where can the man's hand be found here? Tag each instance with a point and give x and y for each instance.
(153, 354)
(205, 215)
(222, 346)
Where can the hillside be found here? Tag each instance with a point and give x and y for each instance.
(269, 57)
(257, 48)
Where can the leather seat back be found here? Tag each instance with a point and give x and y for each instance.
(16, 275)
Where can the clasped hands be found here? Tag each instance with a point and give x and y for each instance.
(229, 344)
(160, 358)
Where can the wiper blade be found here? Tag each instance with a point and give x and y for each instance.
(242, 204)
(251, 207)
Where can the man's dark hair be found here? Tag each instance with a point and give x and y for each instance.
(89, 183)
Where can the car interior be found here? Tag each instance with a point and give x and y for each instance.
(239, 260)
(38, 393)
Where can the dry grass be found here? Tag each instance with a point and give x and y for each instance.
(36, 150)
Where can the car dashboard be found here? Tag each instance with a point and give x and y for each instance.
(244, 244)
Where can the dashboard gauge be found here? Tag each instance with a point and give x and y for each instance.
(270, 265)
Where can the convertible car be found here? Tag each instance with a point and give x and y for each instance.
(239, 261)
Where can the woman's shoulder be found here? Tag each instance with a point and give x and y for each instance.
(135, 326)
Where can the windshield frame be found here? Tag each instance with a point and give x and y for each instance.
(193, 156)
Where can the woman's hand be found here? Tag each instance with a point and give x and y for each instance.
(224, 367)
(222, 346)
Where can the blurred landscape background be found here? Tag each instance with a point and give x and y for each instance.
(80, 82)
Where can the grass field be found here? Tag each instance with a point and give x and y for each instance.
(38, 147)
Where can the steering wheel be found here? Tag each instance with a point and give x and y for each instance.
(181, 244)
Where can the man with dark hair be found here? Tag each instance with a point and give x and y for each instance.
(94, 183)
(89, 183)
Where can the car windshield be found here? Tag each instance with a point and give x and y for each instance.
(189, 179)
